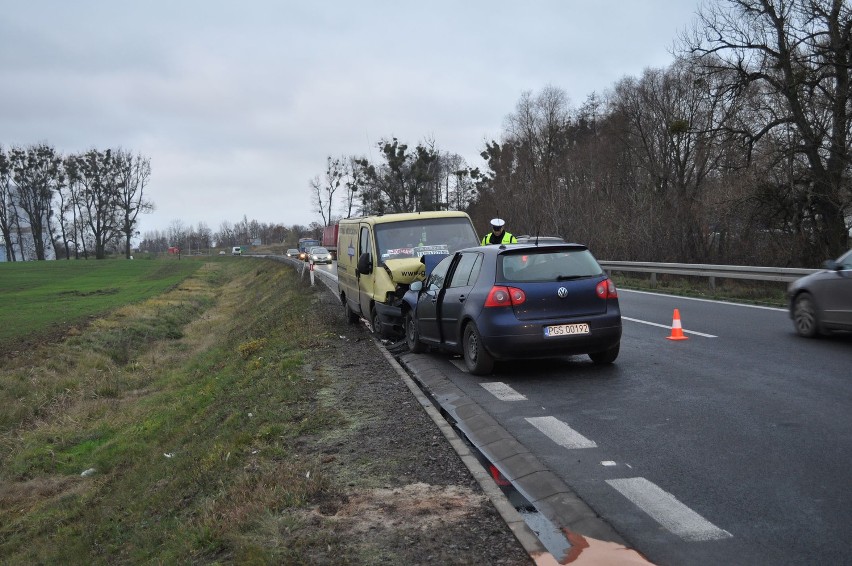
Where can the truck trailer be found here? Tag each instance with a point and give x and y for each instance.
(329, 239)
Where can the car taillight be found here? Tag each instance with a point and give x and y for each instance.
(505, 296)
(606, 289)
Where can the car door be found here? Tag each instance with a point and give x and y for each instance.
(452, 305)
(836, 293)
(365, 281)
(428, 301)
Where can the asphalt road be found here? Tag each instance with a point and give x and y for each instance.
(731, 447)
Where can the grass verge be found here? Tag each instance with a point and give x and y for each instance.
(151, 436)
(46, 299)
(764, 293)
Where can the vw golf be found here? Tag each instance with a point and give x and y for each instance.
(515, 301)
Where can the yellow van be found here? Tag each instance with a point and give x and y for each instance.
(379, 256)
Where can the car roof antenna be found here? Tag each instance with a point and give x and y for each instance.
(537, 230)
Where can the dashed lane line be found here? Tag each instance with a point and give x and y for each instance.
(561, 433)
(664, 508)
(660, 505)
(668, 327)
(502, 391)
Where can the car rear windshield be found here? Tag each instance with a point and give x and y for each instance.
(539, 264)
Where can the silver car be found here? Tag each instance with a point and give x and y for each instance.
(822, 302)
(319, 255)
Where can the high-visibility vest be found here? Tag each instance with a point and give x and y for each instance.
(507, 239)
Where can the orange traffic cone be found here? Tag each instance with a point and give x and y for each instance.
(677, 330)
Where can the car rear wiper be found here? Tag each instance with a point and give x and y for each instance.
(569, 277)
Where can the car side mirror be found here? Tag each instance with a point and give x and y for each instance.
(365, 264)
(831, 265)
(415, 286)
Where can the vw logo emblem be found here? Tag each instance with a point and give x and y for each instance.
(562, 292)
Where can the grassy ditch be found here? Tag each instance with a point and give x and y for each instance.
(162, 432)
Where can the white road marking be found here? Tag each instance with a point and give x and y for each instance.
(668, 326)
(561, 433)
(608, 463)
(678, 297)
(664, 508)
(503, 391)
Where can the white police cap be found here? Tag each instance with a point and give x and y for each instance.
(497, 222)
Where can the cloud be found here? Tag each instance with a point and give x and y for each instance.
(239, 104)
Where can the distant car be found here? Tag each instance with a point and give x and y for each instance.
(319, 254)
(222, 252)
(237, 250)
(513, 302)
(822, 302)
(292, 252)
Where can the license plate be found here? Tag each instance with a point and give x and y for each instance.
(566, 329)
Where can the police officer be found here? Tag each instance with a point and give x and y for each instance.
(498, 235)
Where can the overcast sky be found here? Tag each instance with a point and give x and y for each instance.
(238, 104)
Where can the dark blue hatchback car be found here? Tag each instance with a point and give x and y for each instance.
(515, 301)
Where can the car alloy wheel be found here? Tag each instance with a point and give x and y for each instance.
(412, 335)
(804, 316)
(477, 360)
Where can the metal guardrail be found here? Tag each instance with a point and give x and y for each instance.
(781, 274)
(785, 274)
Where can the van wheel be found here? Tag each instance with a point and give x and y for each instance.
(377, 325)
(351, 316)
(412, 335)
(477, 360)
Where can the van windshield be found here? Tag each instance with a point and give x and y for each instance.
(416, 238)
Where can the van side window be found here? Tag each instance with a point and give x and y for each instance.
(365, 246)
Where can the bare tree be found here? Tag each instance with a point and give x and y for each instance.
(133, 176)
(98, 198)
(36, 172)
(538, 129)
(205, 236)
(177, 234)
(225, 236)
(405, 182)
(354, 184)
(674, 132)
(796, 54)
(6, 210)
(324, 191)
